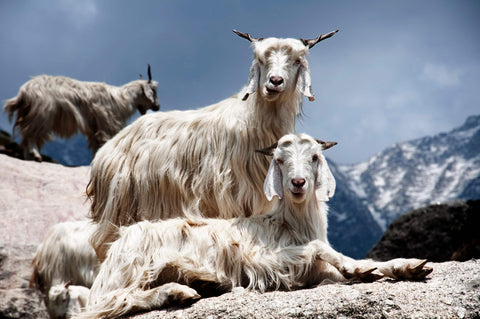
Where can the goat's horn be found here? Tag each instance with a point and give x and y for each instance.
(310, 43)
(149, 74)
(247, 36)
(326, 145)
(268, 150)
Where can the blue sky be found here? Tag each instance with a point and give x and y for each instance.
(397, 70)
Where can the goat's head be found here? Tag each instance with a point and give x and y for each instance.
(298, 169)
(280, 66)
(148, 99)
(58, 299)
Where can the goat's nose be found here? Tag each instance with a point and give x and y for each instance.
(298, 182)
(276, 80)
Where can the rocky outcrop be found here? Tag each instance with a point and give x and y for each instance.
(436, 232)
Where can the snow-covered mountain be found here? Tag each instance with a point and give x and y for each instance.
(416, 173)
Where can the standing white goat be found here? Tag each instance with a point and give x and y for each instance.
(48, 105)
(201, 159)
(175, 261)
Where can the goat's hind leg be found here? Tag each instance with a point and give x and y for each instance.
(31, 151)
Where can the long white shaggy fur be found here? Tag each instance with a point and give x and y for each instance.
(202, 159)
(48, 105)
(176, 261)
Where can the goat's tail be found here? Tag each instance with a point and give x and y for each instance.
(12, 105)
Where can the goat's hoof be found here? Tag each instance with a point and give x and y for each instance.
(413, 270)
(183, 294)
(362, 274)
(370, 275)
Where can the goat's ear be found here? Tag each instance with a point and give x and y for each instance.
(273, 182)
(253, 79)
(325, 183)
(326, 145)
(311, 42)
(305, 81)
(268, 150)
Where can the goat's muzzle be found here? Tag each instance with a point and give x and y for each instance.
(297, 188)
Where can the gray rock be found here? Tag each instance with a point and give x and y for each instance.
(451, 291)
(438, 233)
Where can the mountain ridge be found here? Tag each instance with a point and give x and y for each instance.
(412, 174)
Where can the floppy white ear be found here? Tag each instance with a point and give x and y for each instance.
(253, 79)
(325, 184)
(305, 81)
(273, 182)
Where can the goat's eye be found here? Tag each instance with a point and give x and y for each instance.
(279, 161)
(314, 158)
(297, 61)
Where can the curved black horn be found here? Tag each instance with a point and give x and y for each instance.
(310, 43)
(149, 74)
(247, 36)
(326, 145)
(268, 150)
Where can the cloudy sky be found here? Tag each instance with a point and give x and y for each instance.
(397, 70)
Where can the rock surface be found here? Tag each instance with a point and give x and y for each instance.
(451, 291)
(34, 196)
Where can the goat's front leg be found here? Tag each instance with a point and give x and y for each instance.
(401, 268)
(167, 294)
(350, 268)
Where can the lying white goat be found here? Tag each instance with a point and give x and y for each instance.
(166, 161)
(176, 261)
(48, 105)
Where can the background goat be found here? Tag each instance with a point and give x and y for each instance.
(65, 255)
(48, 105)
(202, 159)
(177, 260)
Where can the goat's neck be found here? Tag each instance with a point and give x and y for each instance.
(279, 114)
(305, 221)
(131, 93)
